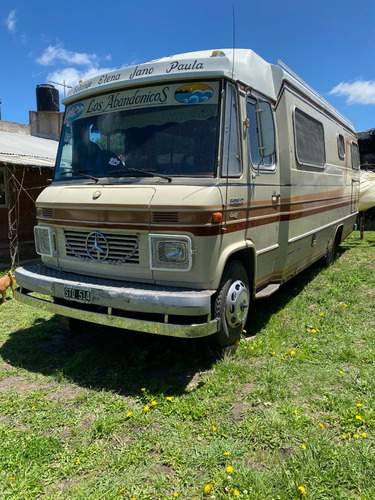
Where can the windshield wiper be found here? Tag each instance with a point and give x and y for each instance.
(140, 171)
(78, 172)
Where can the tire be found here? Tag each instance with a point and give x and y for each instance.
(330, 257)
(232, 304)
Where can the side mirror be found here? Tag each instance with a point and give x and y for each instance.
(266, 129)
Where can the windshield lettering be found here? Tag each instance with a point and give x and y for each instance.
(176, 66)
(164, 131)
(141, 72)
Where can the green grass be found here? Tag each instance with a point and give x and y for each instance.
(291, 412)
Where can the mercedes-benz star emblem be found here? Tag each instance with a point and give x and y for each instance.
(97, 246)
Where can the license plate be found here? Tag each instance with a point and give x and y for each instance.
(78, 294)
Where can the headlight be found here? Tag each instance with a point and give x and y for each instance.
(43, 241)
(170, 253)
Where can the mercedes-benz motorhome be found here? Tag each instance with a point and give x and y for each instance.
(186, 187)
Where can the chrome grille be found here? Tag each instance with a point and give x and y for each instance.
(122, 248)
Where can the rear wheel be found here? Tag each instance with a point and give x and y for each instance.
(330, 257)
(232, 303)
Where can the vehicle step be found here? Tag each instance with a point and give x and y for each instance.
(267, 291)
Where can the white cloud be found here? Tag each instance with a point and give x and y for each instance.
(10, 21)
(58, 53)
(72, 76)
(358, 92)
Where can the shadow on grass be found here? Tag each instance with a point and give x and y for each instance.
(105, 358)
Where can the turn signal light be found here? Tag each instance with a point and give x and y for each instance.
(217, 217)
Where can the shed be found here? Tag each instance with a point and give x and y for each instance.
(26, 167)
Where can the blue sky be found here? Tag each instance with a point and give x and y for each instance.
(328, 43)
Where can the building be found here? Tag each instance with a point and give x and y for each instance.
(27, 159)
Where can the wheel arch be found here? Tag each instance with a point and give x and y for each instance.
(247, 257)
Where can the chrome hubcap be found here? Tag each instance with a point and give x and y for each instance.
(237, 302)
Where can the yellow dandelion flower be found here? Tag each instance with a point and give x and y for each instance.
(214, 428)
(314, 339)
(321, 314)
(358, 417)
(207, 488)
(129, 414)
(313, 330)
(302, 489)
(11, 478)
(356, 436)
(169, 398)
(226, 453)
(328, 284)
(341, 372)
(229, 469)
(122, 490)
(321, 426)
(33, 407)
(146, 408)
(273, 353)
(244, 331)
(143, 389)
(252, 347)
(359, 405)
(344, 436)
(77, 461)
(292, 353)
(295, 412)
(175, 494)
(236, 493)
(364, 434)
(154, 403)
(303, 447)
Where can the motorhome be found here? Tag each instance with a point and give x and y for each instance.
(186, 187)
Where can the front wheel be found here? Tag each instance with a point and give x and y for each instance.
(232, 303)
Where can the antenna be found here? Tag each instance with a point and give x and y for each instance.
(66, 86)
(234, 37)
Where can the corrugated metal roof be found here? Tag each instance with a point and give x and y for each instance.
(20, 149)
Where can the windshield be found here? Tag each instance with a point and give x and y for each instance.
(165, 131)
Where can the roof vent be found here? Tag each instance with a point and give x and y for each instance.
(217, 53)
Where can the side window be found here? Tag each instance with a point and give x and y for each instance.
(341, 146)
(3, 197)
(355, 156)
(309, 140)
(231, 163)
(268, 162)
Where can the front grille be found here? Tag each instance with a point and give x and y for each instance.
(119, 249)
(164, 217)
(46, 213)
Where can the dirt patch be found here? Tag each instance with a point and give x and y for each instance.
(247, 388)
(165, 469)
(15, 382)
(68, 393)
(239, 409)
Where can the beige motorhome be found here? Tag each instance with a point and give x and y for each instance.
(186, 187)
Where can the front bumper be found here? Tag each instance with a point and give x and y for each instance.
(131, 306)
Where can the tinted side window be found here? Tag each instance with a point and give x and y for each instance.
(231, 164)
(309, 140)
(268, 162)
(341, 146)
(355, 156)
